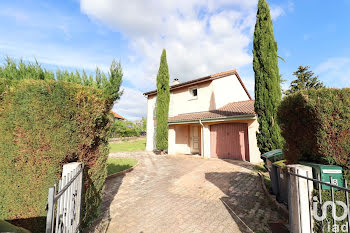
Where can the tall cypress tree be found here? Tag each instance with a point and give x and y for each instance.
(267, 80)
(163, 98)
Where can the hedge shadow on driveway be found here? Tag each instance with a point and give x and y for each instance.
(245, 200)
(111, 189)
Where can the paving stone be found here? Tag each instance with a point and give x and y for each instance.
(186, 194)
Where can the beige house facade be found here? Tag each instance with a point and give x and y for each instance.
(212, 116)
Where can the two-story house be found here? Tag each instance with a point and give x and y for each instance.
(211, 116)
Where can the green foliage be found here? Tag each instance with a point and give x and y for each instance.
(43, 125)
(45, 122)
(260, 168)
(163, 98)
(123, 128)
(281, 163)
(144, 124)
(267, 81)
(315, 125)
(305, 80)
(8, 227)
(13, 71)
(110, 84)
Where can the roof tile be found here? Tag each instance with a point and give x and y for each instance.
(205, 79)
(116, 115)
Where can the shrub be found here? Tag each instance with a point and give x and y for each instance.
(315, 125)
(45, 124)
(126, 129)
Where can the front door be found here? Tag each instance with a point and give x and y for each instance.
(194, 139)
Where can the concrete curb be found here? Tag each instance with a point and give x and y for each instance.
(122, 172)
(280, 207)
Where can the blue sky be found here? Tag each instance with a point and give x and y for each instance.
(202, 37)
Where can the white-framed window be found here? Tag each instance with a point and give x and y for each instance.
(193, 93)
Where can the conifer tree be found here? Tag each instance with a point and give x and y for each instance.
(267, 80)
(305, 80)
(162, 108)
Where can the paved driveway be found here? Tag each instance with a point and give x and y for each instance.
(186, 194)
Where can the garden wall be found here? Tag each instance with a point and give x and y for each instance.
(43, 125)
(316, 126)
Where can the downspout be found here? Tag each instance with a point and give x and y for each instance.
(202, 141)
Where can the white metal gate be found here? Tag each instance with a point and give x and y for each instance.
(64, 201)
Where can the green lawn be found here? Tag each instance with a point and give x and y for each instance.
(127, 146)
(115, 165)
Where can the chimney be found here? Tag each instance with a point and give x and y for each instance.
(176, 81)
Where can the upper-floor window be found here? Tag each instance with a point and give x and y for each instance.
(193, 93)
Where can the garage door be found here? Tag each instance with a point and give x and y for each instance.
(229, 141)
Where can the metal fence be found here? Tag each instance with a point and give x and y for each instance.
(322, 209)
(64, 203)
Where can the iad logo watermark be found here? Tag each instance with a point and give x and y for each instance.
(325, 206)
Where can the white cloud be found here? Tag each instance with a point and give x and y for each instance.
(290, 6)
(335, 72)
(201, 37)
(18, 15)
(132, 104)
(276, 11)
(334, 63)
(56, 54)
(44, 20)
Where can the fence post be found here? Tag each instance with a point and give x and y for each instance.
(69, 167)
(50, 210)
(300, 200)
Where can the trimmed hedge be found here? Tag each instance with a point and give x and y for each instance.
(43, 125)
(316, 126)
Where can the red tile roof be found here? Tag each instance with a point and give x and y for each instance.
(205, 79)
(116, 115)
(230, 110)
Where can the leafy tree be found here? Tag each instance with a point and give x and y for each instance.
(122, 128)
(110, 84)
(163, 98)
(144, 123)
(113, 82)
(267, 80)
(305, 80)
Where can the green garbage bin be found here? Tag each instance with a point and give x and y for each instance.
(282, 178)
(269, 158)
(325, 172)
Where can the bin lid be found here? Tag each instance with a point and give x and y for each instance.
(272, 153)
